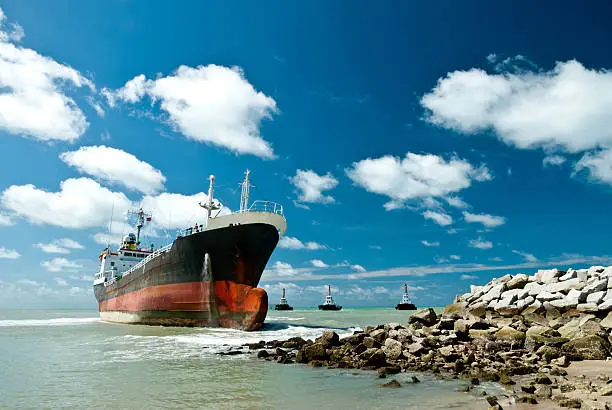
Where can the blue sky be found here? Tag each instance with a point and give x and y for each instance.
(435, 143)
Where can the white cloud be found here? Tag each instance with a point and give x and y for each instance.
(32, 101)
(60, 282)
(438, 217)
(496, 259)
(468, 277)
(490, 221)
(358, 268)
(598, 165)
(456, 202)
(415, 177)
(528, 256)
(62, 246)
(311, 186)
(116, 166)
(553, 160)
(480, 244)
(318, 263)
(9, 253)
(80, 203)
(430, 244)
(211, 104)
(375, 247)
(455, 257)
(567, 108)
(60, 265)
(6, 220)
(282, 269)
(289, 242)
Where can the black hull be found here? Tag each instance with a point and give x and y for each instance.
(238, 254)
(330, 307)
(405, 306)
(283, 307)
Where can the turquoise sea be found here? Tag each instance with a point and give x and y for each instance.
(69, 358)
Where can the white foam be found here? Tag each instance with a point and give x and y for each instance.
(62, 321)
(283, 318)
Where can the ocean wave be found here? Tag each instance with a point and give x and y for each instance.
(290, 319)
(61, 321)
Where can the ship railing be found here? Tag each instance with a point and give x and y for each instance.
(265, 206)
(146, 260)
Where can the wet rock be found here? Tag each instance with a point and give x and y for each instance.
(373, 357)
(541, 378)
(414, 379)
(328, 339)
(262, 354)
(571, 403)
(394, 384)
(392, 349)
(464, 389)
(505, 380)
(543, 391)
(381, 373)
(529, 388)
(379, 335)
(316, 351)
(370, 342)
(354, 339)
(509, 335)
(548, 353)
(259, 345)
(492, 400)
(426, 317)
(527, 399)
(294, 343)
(586, 348)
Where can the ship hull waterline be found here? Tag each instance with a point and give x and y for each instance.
(184, 287)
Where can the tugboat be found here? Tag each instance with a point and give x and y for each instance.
(406, 303)
(283, 305)
(329, 302)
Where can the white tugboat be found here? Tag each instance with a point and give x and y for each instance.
(406, 303)
(283, 305)
(329, 303)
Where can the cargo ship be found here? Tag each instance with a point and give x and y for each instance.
(329, 303)
(406, 303)
(207, 277)
(283, 305)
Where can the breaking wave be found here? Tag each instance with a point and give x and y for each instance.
(61, 321)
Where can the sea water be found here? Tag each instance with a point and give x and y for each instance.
(71, 359)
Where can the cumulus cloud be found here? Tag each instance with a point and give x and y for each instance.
(455, 257)
(9, 253)
(468, 277)
(116, 166)
(440, 218)
(282, 268)
(62, 246)
(61, 265)
(33, 101)
(60, 281)
(480, 244)
(318, 263)
(289, 242)
(566, 108)
(456, 202)
(6, 220)
(211, 104)
(490, 221)
(430, 244)
(528, 256)
(311, 186)
(80, 203)
(553, 160)
(358, 268)
(598, 165)
(415, 176)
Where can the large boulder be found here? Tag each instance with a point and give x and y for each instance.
(426, 317)
(328, 339)
(587, 348)
(595, 297)
(392, 349)
(455, 311)
(606, 323)
(517, 282)
(315, 351)
(494, 293)
(596, 286)
(510, 336)
(373, 357)
(379, 335)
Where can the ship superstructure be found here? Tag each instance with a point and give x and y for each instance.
(406, 303)
(283, 305)
(207, 276)
(329, 303)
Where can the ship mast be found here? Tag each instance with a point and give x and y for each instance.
(283, 297)
(244, 196)
(140, 215)
(210, 205)
(405, 289)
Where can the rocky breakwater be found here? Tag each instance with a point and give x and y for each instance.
(519, 330)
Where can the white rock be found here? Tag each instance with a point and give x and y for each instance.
(494, 293)
(593, 270)
(503, 279)
(515, 293)
(582, 275)
(605, 306)
(608, 295)
(577, 295)
(564, 286)
(607, 272)
(475, 289)
(504, 303)
(547, 296)
(596, 286)
(595, 297)
(492, 304)
(565, 303)
(610, 282)
(587, 307)
(533, 288)
(548, 275)
(570, 274)
(536, 304)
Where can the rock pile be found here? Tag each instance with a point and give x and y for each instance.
(515, 325)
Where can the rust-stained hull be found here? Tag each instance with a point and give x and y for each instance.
(180, 288)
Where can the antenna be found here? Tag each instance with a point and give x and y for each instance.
(283, 294)
(210, 206)
(405, 289)
(110, 226)
(329, 290)
(142, 216)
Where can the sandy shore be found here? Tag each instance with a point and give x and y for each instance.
(589, 377)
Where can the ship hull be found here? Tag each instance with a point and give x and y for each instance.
(283, 307)
(183, 287)
(405, 306)
(330, 307)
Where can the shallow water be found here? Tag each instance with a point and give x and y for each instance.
(70, 358)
